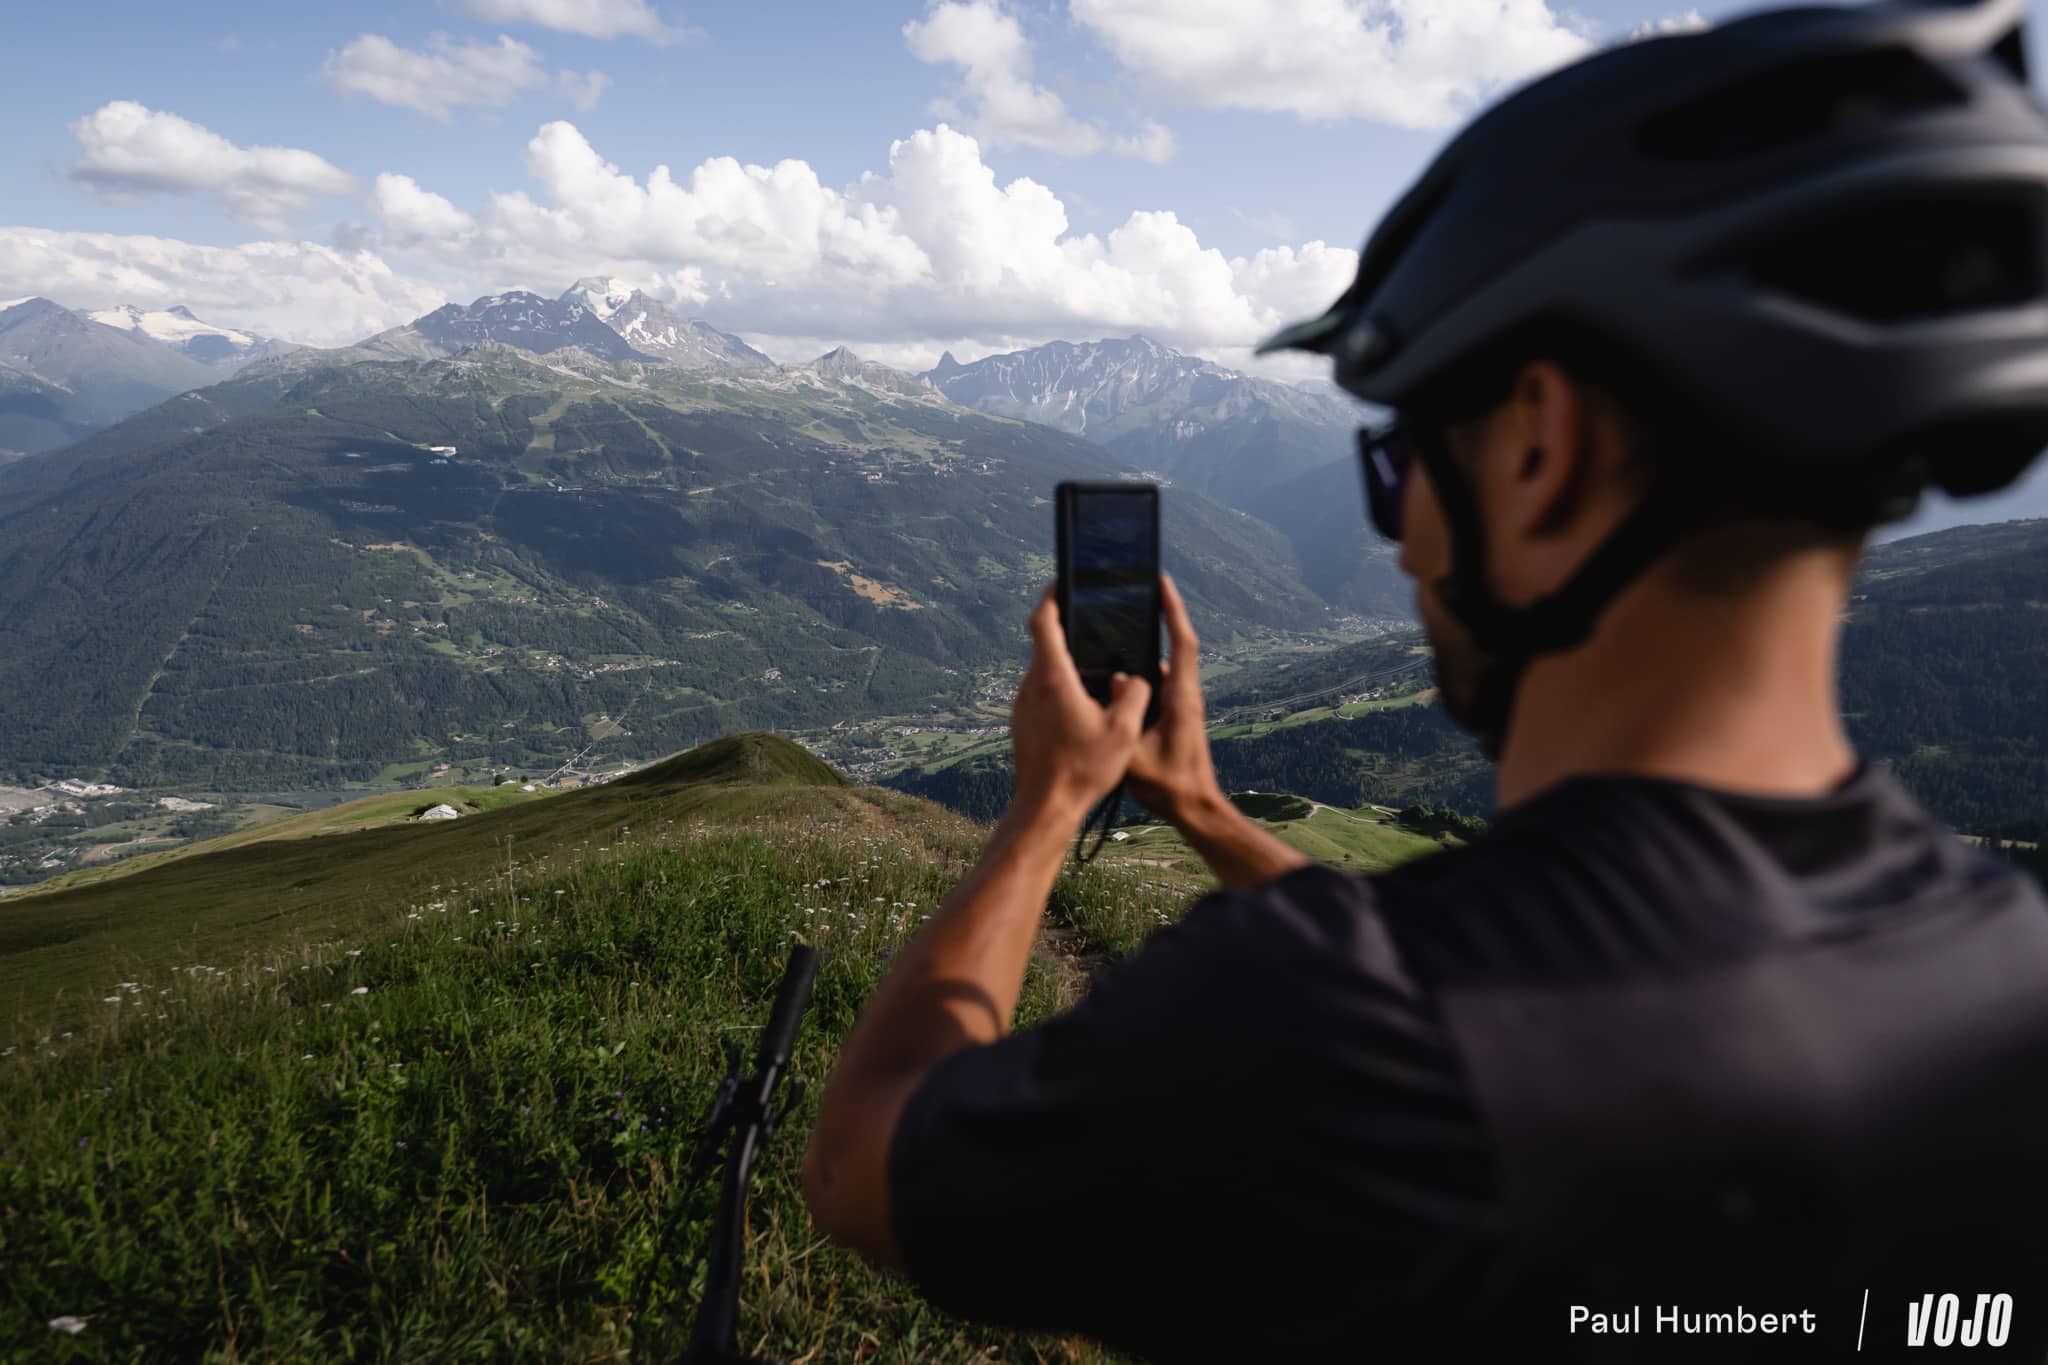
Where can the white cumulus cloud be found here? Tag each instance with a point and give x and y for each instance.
(936, 250)
(411, 214)
(931, 250)
(1006, 107)
(301, 291)
(1410, 63)
(128, 149)
(447, 76)
(591, 18)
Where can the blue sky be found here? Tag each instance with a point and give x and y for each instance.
(138, 174)
(831, 84)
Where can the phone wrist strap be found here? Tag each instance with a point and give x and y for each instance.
(1100, 819)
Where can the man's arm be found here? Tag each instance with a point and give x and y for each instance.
(955, 984)
(1174, 776)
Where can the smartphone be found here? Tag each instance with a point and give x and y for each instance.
(1108, 589)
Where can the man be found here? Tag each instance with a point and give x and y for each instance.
(1716, 1046)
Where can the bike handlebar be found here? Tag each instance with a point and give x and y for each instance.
(743, 1117)
(791, 997)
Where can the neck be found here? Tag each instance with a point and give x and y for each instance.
(1732, 691)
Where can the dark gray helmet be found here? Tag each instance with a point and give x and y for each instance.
(1825, 227)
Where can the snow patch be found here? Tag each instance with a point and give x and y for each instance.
(603, 295)
(171, 325)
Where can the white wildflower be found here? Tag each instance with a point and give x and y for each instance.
(360, 990)
(69, 1324)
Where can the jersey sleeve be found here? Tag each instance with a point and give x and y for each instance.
(1258, 1077)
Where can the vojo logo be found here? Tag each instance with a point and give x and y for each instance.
(1940, 1322)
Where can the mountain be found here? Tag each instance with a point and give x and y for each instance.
(650, 327)
(1178, 414)
(2028, 498)
(1942, 677)
(607, 319)
(276, 582)
(63, 375)
(223, 348)
(603, 296)
(526, 321)
(35, 414)
(1281, 452)
(842, 366)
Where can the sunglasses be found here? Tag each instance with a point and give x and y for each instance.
(1387, 454)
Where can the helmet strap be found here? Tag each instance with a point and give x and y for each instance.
(1507, 638)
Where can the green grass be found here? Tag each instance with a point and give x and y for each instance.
(1361, 841)
(429, 1093)
(1356, 841)
(481, 1154)
(389, 808)
(262, 888)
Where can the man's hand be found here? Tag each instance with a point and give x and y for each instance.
(1174, 776)
(1171, 772)
(1069, 749)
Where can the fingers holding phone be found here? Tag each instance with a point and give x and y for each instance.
(1070, 749)
(1171, 769)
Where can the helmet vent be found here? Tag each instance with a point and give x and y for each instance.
(1795, 102)
(1899, 261)
(2010, 52)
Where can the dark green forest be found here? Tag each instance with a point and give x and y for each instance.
(1945, 673)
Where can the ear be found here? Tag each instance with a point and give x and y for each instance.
(1555, 451)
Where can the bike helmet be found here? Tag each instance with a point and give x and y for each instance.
(1823, 229)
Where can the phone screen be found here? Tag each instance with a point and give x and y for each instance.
(1113, 582)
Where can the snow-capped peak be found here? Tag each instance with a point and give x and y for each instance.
(173, 325)
(224, 348)
(601, 294)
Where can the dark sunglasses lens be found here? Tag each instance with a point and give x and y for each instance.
(1387, 457)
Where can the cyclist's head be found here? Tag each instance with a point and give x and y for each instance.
(1554, 462)
(1785, 273)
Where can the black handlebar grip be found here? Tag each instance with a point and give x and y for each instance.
(791, 998)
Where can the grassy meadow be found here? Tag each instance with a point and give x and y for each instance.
(419, 1100)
